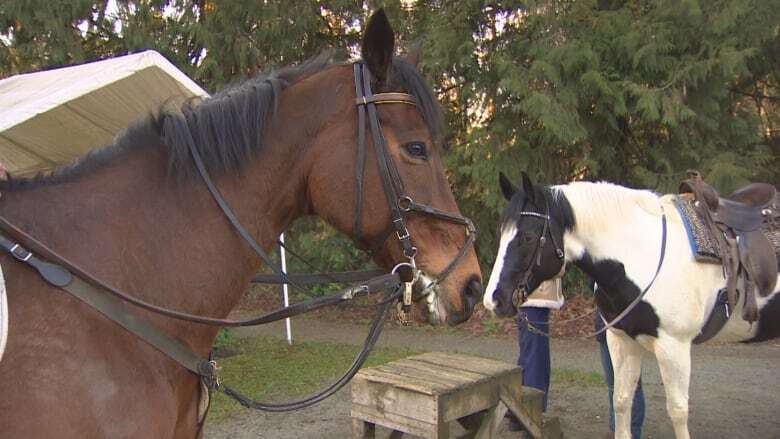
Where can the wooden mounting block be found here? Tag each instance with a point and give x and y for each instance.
(421, 395)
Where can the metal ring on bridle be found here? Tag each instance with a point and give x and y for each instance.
(405, 203)
(411, 266)
(402, 264)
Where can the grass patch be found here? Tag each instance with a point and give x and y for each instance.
(490, 326)
(269, 369)
(576, 377)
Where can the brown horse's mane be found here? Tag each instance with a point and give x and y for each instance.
(227, 128)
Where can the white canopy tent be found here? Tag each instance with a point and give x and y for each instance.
(52, 117)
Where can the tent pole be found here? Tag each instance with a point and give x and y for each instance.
(285, 291)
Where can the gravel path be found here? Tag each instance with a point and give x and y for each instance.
(735, 389)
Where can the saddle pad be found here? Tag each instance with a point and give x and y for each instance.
(703, 245)
(3, 315)
(771, 226)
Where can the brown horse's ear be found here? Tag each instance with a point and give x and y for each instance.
(414, 53)
(507, 188)
(378, 45)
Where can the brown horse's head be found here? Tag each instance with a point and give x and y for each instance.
(413, 140)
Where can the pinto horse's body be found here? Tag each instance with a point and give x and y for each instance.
(614, 234)
(135, 217)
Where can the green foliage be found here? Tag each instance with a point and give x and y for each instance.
(225, 337)
(632, 91)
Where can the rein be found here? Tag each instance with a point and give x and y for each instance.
(524, 317)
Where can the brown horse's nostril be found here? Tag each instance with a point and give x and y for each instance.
(472, 294)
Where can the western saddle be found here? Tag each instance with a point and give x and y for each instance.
(736, 225)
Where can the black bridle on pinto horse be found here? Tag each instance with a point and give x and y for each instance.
(113, 303)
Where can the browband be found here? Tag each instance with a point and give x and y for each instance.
(386, 98)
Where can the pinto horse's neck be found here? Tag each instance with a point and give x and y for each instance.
(617, 233)
(136, 228)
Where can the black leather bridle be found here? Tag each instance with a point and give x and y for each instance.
(392, 184)
(520, 293)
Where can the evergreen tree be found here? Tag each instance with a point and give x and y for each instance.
(634, 92)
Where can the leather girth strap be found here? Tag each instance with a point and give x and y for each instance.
(717, 319)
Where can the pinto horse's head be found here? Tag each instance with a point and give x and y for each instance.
(348, 183)
(530, 244)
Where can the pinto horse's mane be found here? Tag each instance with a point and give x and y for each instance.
(602, 206)
(228, 128)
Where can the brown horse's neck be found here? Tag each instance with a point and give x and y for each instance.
(136, 228)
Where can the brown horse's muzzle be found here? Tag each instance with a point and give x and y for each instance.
(472, 294)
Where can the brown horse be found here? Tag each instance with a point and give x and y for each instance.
(135, 214)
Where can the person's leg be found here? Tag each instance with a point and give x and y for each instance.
(609, 377)
(535, 350)
(638, 411)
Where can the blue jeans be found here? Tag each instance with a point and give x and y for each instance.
(534, 355)
(638, 406)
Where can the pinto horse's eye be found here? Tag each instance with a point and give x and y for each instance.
(417, 150)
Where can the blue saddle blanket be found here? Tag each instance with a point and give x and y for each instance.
(703, 244)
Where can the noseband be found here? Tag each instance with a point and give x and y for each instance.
(400, 204)
(520, 294)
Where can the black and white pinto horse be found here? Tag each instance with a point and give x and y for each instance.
(614, 234)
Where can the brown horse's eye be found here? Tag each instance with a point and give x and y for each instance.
(417, 149)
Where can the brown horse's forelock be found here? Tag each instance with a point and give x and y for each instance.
(227, 128)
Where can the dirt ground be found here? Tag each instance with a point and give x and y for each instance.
(735, 389)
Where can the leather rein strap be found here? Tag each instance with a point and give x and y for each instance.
(55, 274)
